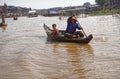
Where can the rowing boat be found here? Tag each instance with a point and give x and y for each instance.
(62, 38)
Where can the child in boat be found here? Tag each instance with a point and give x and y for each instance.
(55, 30)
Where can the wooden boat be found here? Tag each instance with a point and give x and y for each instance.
(32, 13)
(15, 18)
(62, 38)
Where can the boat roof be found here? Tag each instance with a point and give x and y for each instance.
(32, 11)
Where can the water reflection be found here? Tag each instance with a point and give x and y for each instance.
(76, 60)
(79, 55)
(26, 54)
(4, 28)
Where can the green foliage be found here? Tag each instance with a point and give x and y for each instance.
(87, 4)
(102, 2)
(105, 12)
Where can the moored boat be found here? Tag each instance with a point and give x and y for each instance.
(32, 13)
(15, 18)
(62, 38)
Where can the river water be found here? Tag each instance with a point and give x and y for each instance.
(26, 54)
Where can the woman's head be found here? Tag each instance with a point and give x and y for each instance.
(73, 19)
(53, 25)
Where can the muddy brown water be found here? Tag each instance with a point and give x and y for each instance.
(26, 54)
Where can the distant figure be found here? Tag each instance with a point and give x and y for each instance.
(60, 17)
(71, 29)
(15, 18)
(3, 20)
(55, 30)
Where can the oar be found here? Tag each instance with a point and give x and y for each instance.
(82, 28)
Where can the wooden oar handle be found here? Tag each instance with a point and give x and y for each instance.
(82, 28)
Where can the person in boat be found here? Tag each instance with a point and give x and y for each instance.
(55, 30)
(72, 27)
(14, 17)
(3, 20)
(69, 20)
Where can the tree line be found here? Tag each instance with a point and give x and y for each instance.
(102, 2)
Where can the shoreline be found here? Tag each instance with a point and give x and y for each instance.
(105, 12)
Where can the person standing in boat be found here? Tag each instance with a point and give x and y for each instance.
(3, 20)
(72, 26)
(55, 30)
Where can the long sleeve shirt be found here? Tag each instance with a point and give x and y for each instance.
(71, 28)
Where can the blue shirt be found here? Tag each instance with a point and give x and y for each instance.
(71, 28)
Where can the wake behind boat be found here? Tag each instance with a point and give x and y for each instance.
(62, 38)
